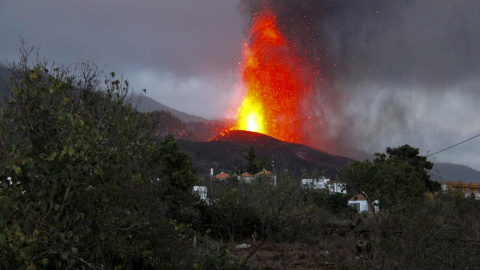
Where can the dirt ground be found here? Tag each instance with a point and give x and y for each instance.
(337, 253)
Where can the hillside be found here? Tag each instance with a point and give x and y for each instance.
(3, 71)
(443, 172)
(147, 104)
(227, 153)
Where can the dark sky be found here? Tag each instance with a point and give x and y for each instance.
(398, 71)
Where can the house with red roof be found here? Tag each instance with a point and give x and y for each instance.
(246, 177)
(360, 202)
(264, 172)
(222, 176)
(269, 174)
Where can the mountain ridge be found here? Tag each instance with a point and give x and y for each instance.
(445, 172)
(227, 153)
(147, 104)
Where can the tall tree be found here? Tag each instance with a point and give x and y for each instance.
(252, 161)
(178, 175)
(396, 180)
(256, 163)
(409, 154)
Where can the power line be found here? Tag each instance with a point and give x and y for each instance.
(455, 145)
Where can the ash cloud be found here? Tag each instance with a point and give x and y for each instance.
(414, 68)
(397, 71)
(430, 42)
(408, 42)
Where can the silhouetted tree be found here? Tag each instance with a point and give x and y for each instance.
(255, 163)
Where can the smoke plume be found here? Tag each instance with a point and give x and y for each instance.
(387, 69)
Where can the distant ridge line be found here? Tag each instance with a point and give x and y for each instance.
(148, 104)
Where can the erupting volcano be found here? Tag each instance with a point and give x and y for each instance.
(277, 81)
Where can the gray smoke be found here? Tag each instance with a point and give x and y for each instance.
(398, 71)
(435, 43)
(430, 42)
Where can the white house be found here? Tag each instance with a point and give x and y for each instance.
(324, 183)
(337, 187)
(361, 204)
(201, 191)
(313, 184)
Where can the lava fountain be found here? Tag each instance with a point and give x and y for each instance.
(277, 82)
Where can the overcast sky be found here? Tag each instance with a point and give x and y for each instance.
(402, 72)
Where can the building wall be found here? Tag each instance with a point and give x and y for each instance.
(201, 191)
(361, 205)
(466, 188)
(324, 183)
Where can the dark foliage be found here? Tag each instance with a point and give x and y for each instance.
(83, 181)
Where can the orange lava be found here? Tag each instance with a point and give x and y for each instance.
(277, 82)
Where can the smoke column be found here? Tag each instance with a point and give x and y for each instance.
(386, 72)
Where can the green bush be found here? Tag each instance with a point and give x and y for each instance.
(84, 183)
